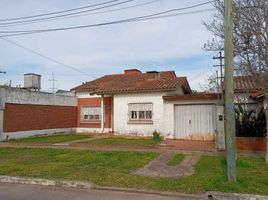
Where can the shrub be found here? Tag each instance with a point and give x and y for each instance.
(250, 124)
(156, 136)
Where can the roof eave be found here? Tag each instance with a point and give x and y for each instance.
(136, 91)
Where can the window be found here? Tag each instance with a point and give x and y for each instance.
(140, 111)
(90, 113)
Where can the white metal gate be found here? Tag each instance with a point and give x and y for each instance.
(195, 122)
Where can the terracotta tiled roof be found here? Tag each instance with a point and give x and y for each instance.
(258, 94)
(131, 83)
(200, 96)
(246, 84)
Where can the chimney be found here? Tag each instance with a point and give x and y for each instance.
(155, 73)
(132, 71)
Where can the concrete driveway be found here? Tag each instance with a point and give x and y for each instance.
(33, 192)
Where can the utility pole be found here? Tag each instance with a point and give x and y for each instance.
(53, 82)
(230, 139)
(220, 57)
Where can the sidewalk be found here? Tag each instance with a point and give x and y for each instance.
(160, 149)
(79, 146)
(159, 168)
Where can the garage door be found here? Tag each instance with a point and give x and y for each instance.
(195, 122)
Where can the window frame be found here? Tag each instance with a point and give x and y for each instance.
(138, 119)
(83, 120)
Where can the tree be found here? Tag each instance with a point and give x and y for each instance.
(212, 85)
(250, 39)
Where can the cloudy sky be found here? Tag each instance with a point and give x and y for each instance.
(162, 44)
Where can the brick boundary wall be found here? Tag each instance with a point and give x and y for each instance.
(25, 117)
(251, 143)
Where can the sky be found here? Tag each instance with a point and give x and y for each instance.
(173, 43)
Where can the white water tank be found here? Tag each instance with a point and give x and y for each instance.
(32, 81)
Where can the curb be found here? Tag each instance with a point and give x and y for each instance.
(153, 192)
(89, 185)
(45, 182)
(236, 196)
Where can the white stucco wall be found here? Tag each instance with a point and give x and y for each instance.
(19, 96)
(93, 130)
(25, 134)
(169, 121)
(220, 136)
(82, 95)
(1, 120)
(121, 125)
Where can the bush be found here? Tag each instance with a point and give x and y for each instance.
(156, 136)
(250, 124)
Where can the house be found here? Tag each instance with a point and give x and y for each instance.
(246, 89)
(244, 86)
(136, 104)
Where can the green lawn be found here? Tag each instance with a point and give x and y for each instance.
(123, 141)
(176, 160)
(115, 169)
(50, 139)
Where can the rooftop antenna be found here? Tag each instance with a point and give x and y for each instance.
(53, 82)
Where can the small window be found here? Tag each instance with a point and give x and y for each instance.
(140, 112)
(90, 113)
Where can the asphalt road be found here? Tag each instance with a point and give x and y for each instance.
(33, 192)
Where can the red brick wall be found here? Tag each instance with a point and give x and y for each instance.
(22, 117)
(251, 144)
(95, 102)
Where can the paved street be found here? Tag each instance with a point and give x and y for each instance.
(30, 192)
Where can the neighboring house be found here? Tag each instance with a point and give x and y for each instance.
(244, 87)
(136, 103)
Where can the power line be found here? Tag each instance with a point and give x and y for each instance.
(17, 33)
(136, 19)
(77, 15)
(68, 14)
(118, 21)
(105, 24)
(80, 15)
(63, 11)
(46, 57)
(199, 74)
